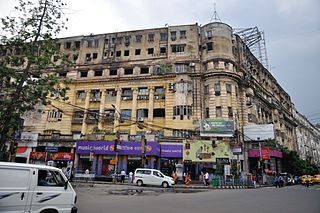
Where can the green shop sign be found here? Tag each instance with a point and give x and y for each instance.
(217, 128)
(205, 150)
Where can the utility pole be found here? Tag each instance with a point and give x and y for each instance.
(143, 150)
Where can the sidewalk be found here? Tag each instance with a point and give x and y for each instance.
(194, 185)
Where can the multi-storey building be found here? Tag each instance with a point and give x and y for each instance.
(165, 83)
(308, 140)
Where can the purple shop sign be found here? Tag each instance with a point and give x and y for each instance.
(171, 151)
(107, 147)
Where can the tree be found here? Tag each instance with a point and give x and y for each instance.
(27, 70)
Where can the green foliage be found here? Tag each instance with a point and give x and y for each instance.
(293, 164)
(165, 68)
(27, 72)
(234, 169)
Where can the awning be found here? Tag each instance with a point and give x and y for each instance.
(255, 153)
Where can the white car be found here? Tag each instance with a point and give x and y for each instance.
(35, 188)
(152, 177)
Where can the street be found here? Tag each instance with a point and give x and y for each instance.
(123, 198)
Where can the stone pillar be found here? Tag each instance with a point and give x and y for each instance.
(86, 106)
(117, 109)
(101, 109)
(151, 104)
(134, 111)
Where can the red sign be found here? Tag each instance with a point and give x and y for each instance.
(265, 153)
(38, 155)
(60, 156)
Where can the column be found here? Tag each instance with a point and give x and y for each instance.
(99, 172)
(117, 109)
(101, 109)
(134, 111)
(151, 104)
(86, 106)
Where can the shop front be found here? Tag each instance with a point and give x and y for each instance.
(171, 158)
(203, 155)
(101, 158)
(265, 160)
(61, 160)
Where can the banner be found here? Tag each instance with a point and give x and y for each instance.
(107, 147)
(265, 153)
(171, 150)
(217, 128)
(205, 150)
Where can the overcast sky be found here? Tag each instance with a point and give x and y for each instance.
(292, 30)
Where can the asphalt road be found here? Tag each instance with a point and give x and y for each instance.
(129, 199)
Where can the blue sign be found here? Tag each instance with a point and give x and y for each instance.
(51, 149)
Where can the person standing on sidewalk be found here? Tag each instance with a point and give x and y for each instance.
(254, 179)
(206, 177)
(123, 175)
(130, 177)
(188, 179)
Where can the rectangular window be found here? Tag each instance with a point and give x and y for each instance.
(206, 90)
(75, 57)
(127, 40)
(228, 88)
(138, 52)
(77, 44)
(95, 94)
(111, 93)
(138, 38)
(128, 71)
(209, 34)
(113, 72)
(126, 53)
(173, 35)
(163, 50)
(150, 37)
(118, 54)
(67, 45)
(230, 113)
(62, 74)
(125, 114)
(150, 51)
(142, 113)
(163, 36)
(81, 94)
(159, 113)
(144, 70)
(217, 89)
(183, 34)
(94, 55)
(88, 57)
(98, 73)
(83, 74)
(218, 112)
(209, 46)
(206, 113)
(178, 48)
(143, 91)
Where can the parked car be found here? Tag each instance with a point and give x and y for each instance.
(306, 178)
(35, 188)
(316, 179)
(152, 177)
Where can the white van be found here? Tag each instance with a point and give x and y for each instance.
(152, 177)
(35, 188)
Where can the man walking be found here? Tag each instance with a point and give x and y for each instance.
(123, 175)
(206, 177)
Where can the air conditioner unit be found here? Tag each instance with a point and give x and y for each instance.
(157, 97)
(140, 119)
(192, 64)
(125, 98)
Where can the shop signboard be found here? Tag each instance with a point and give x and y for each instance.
(205, 150)
(265, 153)
(171, 150)
(51, 149)
(107, 147)
(38, 155)
(217, 128)
(60, 156)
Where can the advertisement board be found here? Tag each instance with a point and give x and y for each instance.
(205, 150)
(217, 128)
(265, 153)
(258, 132)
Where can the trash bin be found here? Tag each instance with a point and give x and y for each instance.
(214, 181)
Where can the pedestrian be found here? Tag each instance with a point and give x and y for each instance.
(123, 175)
(281, 181)
(187, 179)
(130, 177)
(87, 174)
(254, 180)
(175, 177)
(206, 177)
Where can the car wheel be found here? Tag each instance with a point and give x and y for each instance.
(139, 183)
(165, 185)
